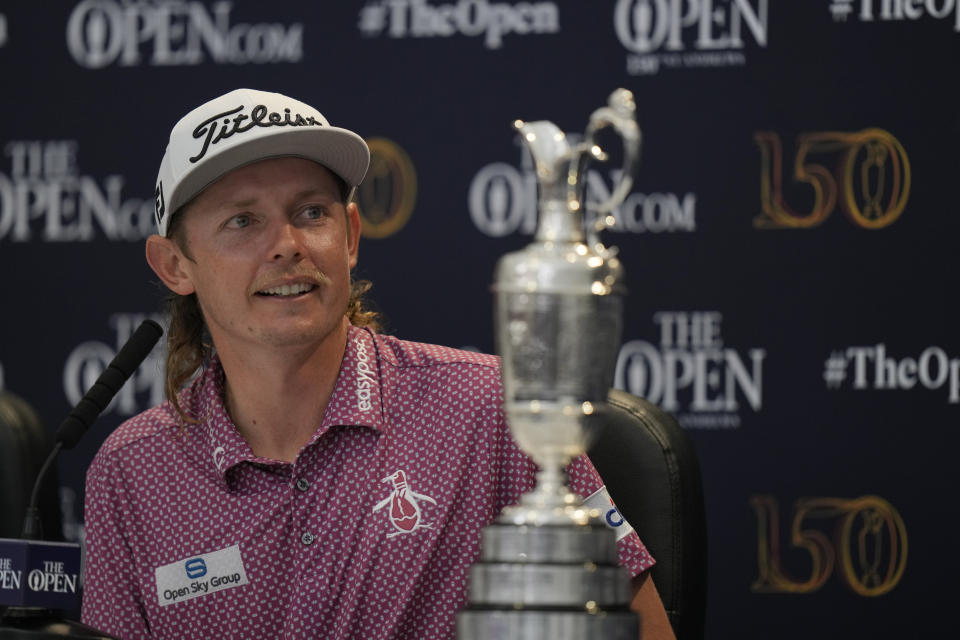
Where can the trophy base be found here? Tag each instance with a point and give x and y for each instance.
(545, 624)
(551, 581)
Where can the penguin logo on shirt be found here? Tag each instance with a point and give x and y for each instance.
(404, 505)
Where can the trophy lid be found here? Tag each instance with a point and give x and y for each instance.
(565, 258)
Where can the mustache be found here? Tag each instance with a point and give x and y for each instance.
(300, 273)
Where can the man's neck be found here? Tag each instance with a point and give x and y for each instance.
(276, 397)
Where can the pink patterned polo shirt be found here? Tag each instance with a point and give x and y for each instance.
(369, 533)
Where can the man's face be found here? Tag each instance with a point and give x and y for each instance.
(269, 248)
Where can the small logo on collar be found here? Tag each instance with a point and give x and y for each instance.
(404, 505)
(219, 455)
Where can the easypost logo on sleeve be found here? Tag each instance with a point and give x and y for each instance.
(609, 513)
(200, 575)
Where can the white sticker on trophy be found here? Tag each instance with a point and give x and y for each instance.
(602, 501)
(200, 575)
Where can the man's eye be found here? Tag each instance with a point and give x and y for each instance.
(239, 221)
(314, 213)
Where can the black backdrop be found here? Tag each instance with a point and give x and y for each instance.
(789, 243)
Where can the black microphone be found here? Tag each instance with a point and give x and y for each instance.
(135, 351)
(92, 405)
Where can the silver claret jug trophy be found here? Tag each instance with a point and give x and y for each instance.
(548, 566)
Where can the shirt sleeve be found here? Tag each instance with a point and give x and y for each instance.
(112, 601)
(584, 480)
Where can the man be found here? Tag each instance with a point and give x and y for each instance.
(315, 479)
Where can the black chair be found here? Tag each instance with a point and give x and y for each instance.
(652, 472)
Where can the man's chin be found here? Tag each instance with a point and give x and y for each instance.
(298, 336)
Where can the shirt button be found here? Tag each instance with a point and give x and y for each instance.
(303, 484)
(307, 538)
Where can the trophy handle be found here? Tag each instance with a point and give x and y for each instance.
(620, 113)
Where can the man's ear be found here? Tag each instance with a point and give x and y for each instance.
(353, 232)
(166, 259)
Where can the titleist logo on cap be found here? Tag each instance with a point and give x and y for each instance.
(260, 116)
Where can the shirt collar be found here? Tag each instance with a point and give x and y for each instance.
(357, 400)
(227, 448)
(357, 397)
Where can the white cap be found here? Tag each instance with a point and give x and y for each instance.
(242, 127)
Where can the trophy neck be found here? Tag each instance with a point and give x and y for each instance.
(559, 175)
(559, 223)
(550, 503)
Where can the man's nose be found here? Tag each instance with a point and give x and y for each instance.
(287, 242)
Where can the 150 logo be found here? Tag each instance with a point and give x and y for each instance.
(45, 194)
(660, 33)
(863, 538)
(871, 181)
